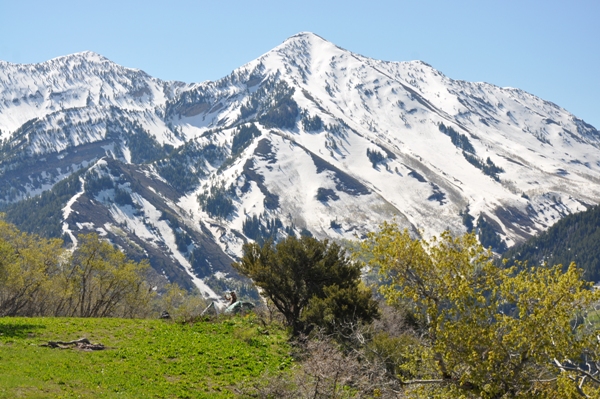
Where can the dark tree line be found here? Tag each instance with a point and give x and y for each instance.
(243, 137)
(458, 139)
(574, 238)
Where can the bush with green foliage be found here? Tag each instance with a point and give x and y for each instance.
(101, 282)
(311, 282)
(181, 305)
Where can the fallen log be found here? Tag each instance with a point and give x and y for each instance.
(81, 344)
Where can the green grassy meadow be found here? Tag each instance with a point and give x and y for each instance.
(144, 359)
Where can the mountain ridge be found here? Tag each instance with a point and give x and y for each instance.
(308, 137)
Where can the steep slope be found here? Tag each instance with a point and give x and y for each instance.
(78, 81)
(574, 238)
(81, 101)
(307, 139)
(426, 148)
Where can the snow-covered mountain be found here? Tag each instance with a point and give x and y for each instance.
(308, 138)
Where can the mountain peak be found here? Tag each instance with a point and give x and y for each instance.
(302, 48)
(87, 56)
(306, 35)
(306, 40)
(82, 56)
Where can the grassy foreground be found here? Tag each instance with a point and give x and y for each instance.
(145, 359)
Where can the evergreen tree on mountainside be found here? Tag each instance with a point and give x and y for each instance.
(487, 235)
(243, 137)
(143, 146)
(459, 140)
(281, 110)
(574, 238)
(43, 213)
(217, 203)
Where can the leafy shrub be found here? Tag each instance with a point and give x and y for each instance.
(311, 282)
(487, 331)
(40, 278)
(179, 303)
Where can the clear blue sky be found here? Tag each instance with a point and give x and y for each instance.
(549, 48)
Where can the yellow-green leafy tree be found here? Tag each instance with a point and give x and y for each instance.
(39, 277)
(100, 281)
(486, 331)
(27, 263)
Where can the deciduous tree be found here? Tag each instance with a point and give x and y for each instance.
(27, 263)
(38, 277)
(103, 281)
(488, 332)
